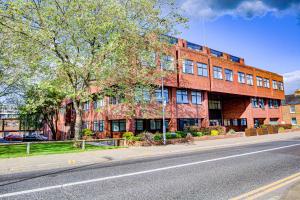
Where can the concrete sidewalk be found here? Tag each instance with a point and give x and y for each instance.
(47, 162)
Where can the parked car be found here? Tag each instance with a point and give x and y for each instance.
(13, 137)
(34, 137)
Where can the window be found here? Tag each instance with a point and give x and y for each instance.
(183, 123)
(292, 109)
(241, 77)
(139, 125)
(99, 103)
(271, 103)
(218, 73)
(158, 95)
(227, 122)
(216, 53)
(214, 104)
(98, 126)
(280, 86)
(118, 125)
(235, 122)
(188, 67)
(243, 122)
(196, 97)
(254, 103)
(249, 78)
(202, 69)
(167, 62)
(85, 124)
(142, 95)
(261, 103)
(182, 96)
(259, 81)
(113, 100)
(276, 103)
(235, 59)
(228, 75)
(155, 124)
(193, 46)
(275, 85)
(148, 59)
(294, 121)
(86, 106)
(266, 83)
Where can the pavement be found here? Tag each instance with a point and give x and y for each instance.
(47, 162)
(220, 169)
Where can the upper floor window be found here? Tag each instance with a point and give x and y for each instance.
(216, 53)
(158, 95)
(254, 103)
(188, 67)
(202, 69)
(292, 109)
(113, 100)
(98, 103)
(228, 75)
(280, 86)
(218, 73)
(214, 104)
(249, 78)
(276, 103)
(266, 83)
(98, 126)
(261, 103)
(86, 105)
(148, 59)
(271, 103)
(167, 62)
(259, 81)
(182, 96)
(193, 46)
(235, 59)
(275, 85)
(241, 78)
(196, 97)
(142, 95)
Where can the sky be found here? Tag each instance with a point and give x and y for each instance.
(266, 33)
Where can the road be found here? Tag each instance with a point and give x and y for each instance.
(211, 174)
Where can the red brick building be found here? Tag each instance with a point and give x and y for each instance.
(204, 87)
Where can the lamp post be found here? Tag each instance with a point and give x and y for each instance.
(163, 105)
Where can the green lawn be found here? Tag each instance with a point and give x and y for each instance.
(19, 150)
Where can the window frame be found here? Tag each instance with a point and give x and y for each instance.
(184, 96)
(196, 97)
(218, 72)
(200, 67)
(230, 73)
(259, 81)
(184, 69)
(118, 122)
(249, 79)
(241, 77)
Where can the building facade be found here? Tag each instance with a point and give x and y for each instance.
(204, 87)
(291, 109)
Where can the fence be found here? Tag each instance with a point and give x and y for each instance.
(81, 144)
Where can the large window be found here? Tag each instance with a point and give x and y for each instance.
(167, 62)
(218, 73)
(182, 96)
(118, 125)
(228, 75)
(214, 104)
(196, 97)
(158, 95)
(202, 69)
(249, 79)
(241, 77)
(183, 123)
(275, 85)
(294, 121)
(155, 125)
(292, 109)
(280, 86)
(259, 81)
(98, 126)
(188, 67)
(266, 83)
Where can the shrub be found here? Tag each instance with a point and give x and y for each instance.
(147, 137)
(158, 137)
(172, 135)
(214, 132)
(192, 129)
(231, 131)
(281, 129)
(197, 134)
(182, 133)
(87, 132)
(128, 135)
(136, 138)
(263, 126)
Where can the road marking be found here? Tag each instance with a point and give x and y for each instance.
(254, 194)
(140, 172)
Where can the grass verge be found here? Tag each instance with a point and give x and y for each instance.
(19, 150)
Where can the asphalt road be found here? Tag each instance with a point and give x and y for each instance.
(213, 174)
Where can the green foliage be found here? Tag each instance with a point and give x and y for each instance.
(87, 132)
(128, 135)
(136, 138)
(197, 134)
(182, 133)
(281, 129)
(214, 132)
(172, 135)
(231, 132)
(158, 137)
(263, 126)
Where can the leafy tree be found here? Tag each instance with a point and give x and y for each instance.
(42, 103)
(87, 45)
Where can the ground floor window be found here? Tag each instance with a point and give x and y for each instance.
(294, 121)
(139, 125)
(235, 122)
(152, 125)
(118, 125)
(155, 125)
(85, 124)
(98, 126)
(274, 121)
(183, 123)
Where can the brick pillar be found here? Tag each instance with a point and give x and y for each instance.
(173, 114)
(205, 121)
(130, 125)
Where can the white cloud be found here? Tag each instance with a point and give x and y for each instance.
(291, 81)
(211, 9)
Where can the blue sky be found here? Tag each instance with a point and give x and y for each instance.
(265, 33)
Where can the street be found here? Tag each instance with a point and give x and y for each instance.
(212, 174)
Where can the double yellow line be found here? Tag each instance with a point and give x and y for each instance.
(268, 188)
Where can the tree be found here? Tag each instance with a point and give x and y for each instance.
(88, 45)
(42, 103)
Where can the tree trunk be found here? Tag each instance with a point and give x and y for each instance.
(78, 119)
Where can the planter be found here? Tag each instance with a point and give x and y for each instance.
(250, 132)
(272, 129)
(262, 131)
